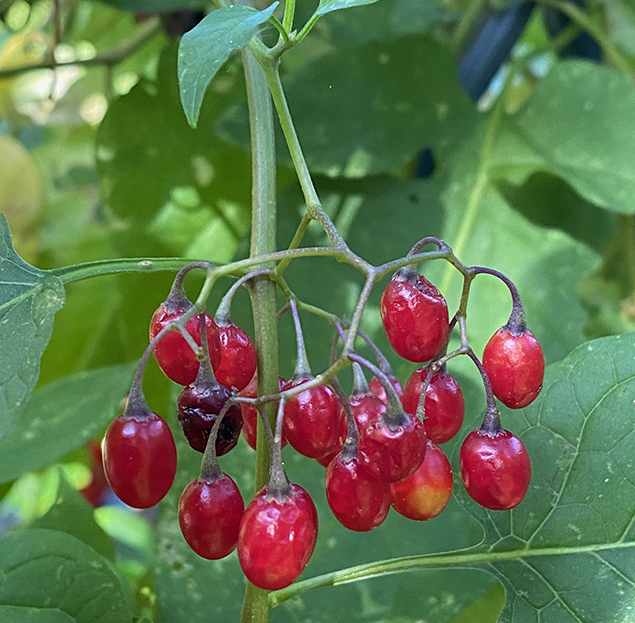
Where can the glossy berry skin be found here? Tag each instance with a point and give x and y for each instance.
(515, 366)
(427, 492)
(277, 537)
(444, 403)
(415, 316)
(378, 389)
(496, 470)
(139, 459)
(392, 453)
(250, 414)
(197, 410)
(324, 461)
(238, 357)
(173, 354)
(358, 501)
(210, 511)
(312, 420)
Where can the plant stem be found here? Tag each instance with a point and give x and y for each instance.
(289, 13)
(313, 204)
(263, 294)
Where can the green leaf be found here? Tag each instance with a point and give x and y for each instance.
(545, 264)
(577, 125)
(571, 540)
(205, 48)
(70, 410)
(72, 514)
(45, 569)
(565, 554)
(19, 614)
(29, 299)
(371, 114)
(326, 6)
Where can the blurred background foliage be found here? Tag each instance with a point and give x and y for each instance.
(507, 128)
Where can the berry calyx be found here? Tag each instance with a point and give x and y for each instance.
(392, 449)
(277, 537)
(210, 510)
(250, 413)
(312, 420)
(139, 458)
(444, 404)
(198, 407)
(415, 316)
(358, 501)
(515, 365)
(238, 356)
(427, 492)
(495, 468)
(173, 354)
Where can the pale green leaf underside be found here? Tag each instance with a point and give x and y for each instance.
(326, 6)
(578, 124)
(205, 48)
(45, 569)
(71, 411)
(29, 299)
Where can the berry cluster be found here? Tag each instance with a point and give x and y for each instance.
(380, 445)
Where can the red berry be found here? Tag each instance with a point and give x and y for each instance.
(250, 414)
(277, 537)
(238, 357)
(427, 492)
(444, 403)
(210, 511)
(415, 316)
(515, 366)
(392, 452)
(98, 483)
(358, 501)
(139, 459)
(312, 420)
(198, 407)
(325, 460)
(378, 389)
(173, 354)
(496, 469)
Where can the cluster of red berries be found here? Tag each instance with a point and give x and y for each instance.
(380, 446)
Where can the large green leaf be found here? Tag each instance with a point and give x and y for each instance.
(565, 554)
(570, 543)
(577, 125)
(29, 299)
(72, 514)
(45, 569)
(205, 48)
(326, 6)
(376, 111)
(70, 410)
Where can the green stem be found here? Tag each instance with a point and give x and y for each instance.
(76, 272)
(313, 204)
(289, 14)
(450, 559)
(306, 29)
(263, 241)
(613, 55)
